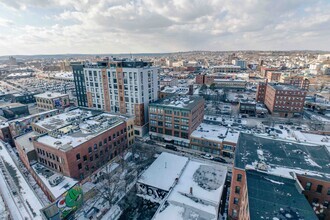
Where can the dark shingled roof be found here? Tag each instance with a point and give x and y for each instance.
(311, 160)
(273, 197)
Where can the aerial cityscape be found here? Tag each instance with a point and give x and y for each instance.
(164, 110)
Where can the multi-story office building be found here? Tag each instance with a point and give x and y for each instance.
(284, 100)
(122, 86)
(79, 83)
(173, 119)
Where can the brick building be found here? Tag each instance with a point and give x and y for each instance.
(261, 92)
(273, 76)
(298, 81)
(78, 150)
(214, 139)
(173, 119)
(282, 100)
(264, 70)
(49, 101)
(297, 169)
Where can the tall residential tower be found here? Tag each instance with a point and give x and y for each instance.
(122, 86)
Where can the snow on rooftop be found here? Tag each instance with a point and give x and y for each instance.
(74, 135)
(48, 95)
(32, 204)
(163, 171)
(210, 132)
(312, 138)
(61, 188)
(63, 119)
(232, 136)
(206, 182)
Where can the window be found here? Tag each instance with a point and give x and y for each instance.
(237, 189)
(319, 188)
(90, 150)
(234, 213)
(236, 201)
(79, 166)
(308, 186)
(328, 193)
(78, 156)
(239, 178)
(91, 158)
(95, 146)
(85, 158)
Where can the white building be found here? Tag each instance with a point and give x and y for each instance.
(122, 86)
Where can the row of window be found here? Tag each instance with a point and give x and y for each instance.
(48, 155)
(50, 164)
(319, 188)
(169, 132)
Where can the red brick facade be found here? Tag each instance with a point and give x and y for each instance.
(82, 160)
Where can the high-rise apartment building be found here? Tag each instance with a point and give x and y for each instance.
(122, 86)
(79, 83)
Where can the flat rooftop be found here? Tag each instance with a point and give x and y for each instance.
(80, 131)
(280, 157)
(12, 105)
(64, 119)
(182, 102)
(274, 197)
(210, 132)
(44, 173)
(50, 95)
(282, 86)
(206, 182)
(162, 173)
(25, 141)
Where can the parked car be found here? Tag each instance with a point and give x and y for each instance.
(219, 159)
(207, 156)
(171, 147)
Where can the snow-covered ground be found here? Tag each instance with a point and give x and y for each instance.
(20, 198)
(3, 210)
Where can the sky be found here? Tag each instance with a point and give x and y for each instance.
(156, 26)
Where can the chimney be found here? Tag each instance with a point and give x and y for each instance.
(191, 190)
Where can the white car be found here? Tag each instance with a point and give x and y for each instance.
(207, 156)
